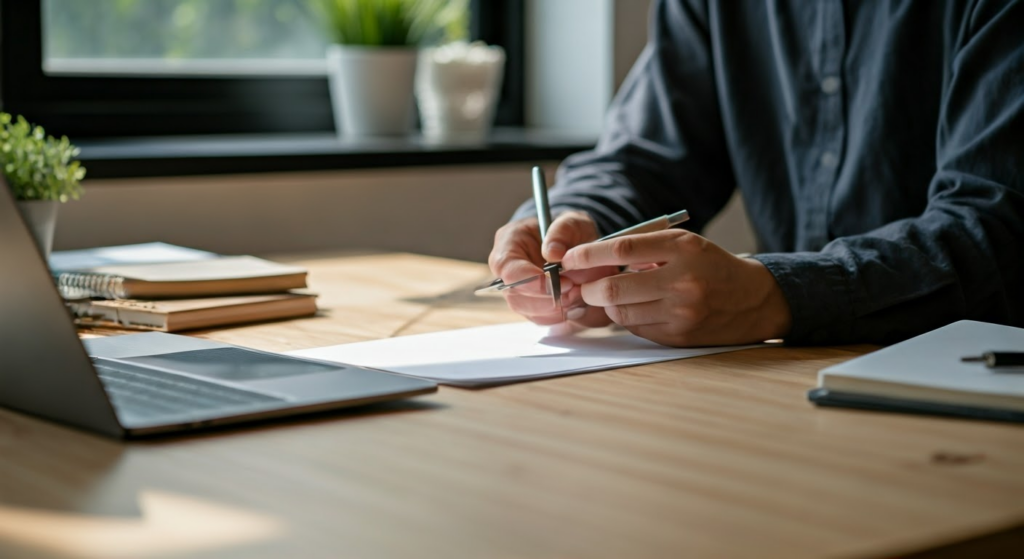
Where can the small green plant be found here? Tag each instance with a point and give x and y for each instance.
(37, 166)
(394, 23)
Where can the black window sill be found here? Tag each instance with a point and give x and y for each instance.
(214, 155)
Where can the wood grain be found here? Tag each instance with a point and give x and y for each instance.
(719, 456)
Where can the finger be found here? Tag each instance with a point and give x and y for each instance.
(564, 329)
(624, 289)
(642, 267)
(539, 286)
(579, 277)
(548, 319)
(639, 314)
(568, 230)
(644, 248)
(549, 314)
(519, 269)
(530, 306)
(572, 298)
(590, 317)
(516, 251)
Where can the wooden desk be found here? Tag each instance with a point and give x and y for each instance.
(718, 456)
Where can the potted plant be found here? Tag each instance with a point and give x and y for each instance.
(372, 61)
(40, 172)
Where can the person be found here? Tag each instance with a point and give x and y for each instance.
(879, 147)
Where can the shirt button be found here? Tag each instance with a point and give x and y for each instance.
(829, 160)
(830, 85)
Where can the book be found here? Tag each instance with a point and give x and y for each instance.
(926, 375)
(175, 315)
(158, 270)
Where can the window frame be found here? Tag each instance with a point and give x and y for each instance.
(98, 106)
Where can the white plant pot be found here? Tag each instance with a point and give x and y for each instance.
(372, 89)
(457, 88)
(41, 218)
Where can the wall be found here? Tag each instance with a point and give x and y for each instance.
(446, 211)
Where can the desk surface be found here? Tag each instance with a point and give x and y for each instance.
(718, 456)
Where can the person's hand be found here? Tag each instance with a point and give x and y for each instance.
(517, 255)
(696, 294)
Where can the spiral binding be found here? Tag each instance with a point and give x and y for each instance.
(81, 286)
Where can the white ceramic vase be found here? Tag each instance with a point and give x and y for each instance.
(41, 218)
(372, 89)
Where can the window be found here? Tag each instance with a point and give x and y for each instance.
(158, 67)
(180, 37)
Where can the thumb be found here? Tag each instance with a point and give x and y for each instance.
(568, 230)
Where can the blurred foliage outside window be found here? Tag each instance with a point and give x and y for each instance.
(181, 30)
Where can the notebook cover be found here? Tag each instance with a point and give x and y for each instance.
(223, 268)
(826, 397)
(83, 260)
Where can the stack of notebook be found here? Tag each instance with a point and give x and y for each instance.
(167, 288)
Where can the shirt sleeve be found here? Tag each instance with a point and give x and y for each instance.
(663, 147)
(963, 257)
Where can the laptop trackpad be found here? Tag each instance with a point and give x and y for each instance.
(233, 364)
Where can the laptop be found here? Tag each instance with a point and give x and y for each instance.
(143, 384)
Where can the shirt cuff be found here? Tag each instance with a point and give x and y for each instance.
(819, 294)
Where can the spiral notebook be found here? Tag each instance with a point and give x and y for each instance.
(165, 271)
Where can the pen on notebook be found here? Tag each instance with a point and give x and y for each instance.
(993, 359)
(649, 226)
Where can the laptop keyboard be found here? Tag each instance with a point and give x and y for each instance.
(146, 394)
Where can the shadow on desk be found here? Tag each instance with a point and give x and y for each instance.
(1002, 543)
(309, 419)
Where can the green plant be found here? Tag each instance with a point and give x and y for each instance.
(37, 166)
(394, 22)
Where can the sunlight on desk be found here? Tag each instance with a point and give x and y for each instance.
(169, 524)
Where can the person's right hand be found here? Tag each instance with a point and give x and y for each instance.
(517, 255)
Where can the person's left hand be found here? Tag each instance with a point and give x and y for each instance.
(690, 291)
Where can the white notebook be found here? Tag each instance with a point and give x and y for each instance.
(926, 374)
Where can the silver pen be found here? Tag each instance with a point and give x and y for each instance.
(649, 226)
(540, 198)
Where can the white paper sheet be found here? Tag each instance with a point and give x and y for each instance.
(504, 353)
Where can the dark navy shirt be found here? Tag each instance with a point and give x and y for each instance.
(879, 146)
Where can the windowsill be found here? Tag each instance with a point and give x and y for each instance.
(211, 155)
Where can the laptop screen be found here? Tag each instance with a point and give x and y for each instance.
(43, 367)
